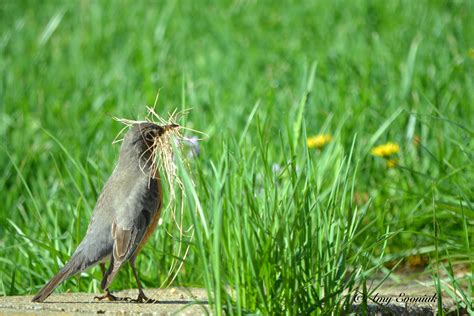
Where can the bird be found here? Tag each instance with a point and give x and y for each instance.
(125, 215)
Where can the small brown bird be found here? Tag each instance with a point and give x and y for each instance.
(124, 217)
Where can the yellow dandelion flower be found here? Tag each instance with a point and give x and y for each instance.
(318, 141)
(392, 163)
(385, 150)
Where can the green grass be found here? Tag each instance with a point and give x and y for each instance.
(281, 228)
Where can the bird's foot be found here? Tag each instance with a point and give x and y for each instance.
(107, 296)
(142, 298)
(112, 298)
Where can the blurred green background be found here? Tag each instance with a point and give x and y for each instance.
(398, 71)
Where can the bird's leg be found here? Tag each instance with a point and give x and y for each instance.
(142, 298)
(107, 294)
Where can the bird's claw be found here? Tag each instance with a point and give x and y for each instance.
(143, 299)
(108, 296)
(112, 298)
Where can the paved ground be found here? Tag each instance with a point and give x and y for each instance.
(182, 301)
(414, 298)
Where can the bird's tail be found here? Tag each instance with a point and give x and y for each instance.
(75, 265)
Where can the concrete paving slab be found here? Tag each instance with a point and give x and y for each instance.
(180, 301)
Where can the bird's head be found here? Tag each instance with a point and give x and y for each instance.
(140, 144)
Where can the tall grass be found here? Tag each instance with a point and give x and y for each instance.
(292, 250)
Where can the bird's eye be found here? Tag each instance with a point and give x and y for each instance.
(149, 136)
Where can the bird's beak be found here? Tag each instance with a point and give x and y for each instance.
(163, 129)
(170, 127)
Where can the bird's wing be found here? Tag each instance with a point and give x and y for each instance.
(130, 225)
